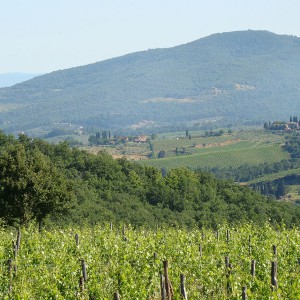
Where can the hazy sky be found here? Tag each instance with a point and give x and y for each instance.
(40, 36)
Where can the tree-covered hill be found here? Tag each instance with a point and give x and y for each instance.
(40, 181)
(239, 76)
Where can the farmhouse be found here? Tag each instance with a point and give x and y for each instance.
(141, 139)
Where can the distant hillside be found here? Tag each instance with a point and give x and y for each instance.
(10, 79)
(237, 76)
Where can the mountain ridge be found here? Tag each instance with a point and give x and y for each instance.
(116, 93)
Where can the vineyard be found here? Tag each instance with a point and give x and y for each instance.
(231, 157)
(244, 262)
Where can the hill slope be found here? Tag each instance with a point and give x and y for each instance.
(240, 76)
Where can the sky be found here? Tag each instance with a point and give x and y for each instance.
(41, 36)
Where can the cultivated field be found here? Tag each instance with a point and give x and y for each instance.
(225, 157)
(228, 150)
(252, 147)
(261, 262)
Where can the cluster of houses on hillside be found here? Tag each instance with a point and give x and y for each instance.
(106, 139)
(293, 125)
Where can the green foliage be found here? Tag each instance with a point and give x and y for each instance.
(31, 186)
(292, 145)
(254, 173)
(48, 263)
(276, 176)
(39, 180)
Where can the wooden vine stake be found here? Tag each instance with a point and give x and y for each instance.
(162, 287)
(83, 268)
(274, 283)
(227, 236)
(81, 285)
(40, 226)
(226, 262)
(168, 285)
(249, 244)
(253, 262)
(116, 296)
(182, 287)
(228, 273)
(244, 293)
(77, 239)
(200, 250)
(9, 266)
(16, 246)
(124, 233)
(18, 243)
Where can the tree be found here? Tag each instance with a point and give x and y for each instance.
(151, 147)
(31, 187)
(153, 136)
(221, 131)
(161, 154)
(104, 135)
(280, 189)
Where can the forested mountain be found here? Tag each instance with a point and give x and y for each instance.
(237, 76)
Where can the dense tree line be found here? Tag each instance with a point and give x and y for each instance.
(100, 138)
(277, 187)
(292, 145)
(247, 172)
(56, 183)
